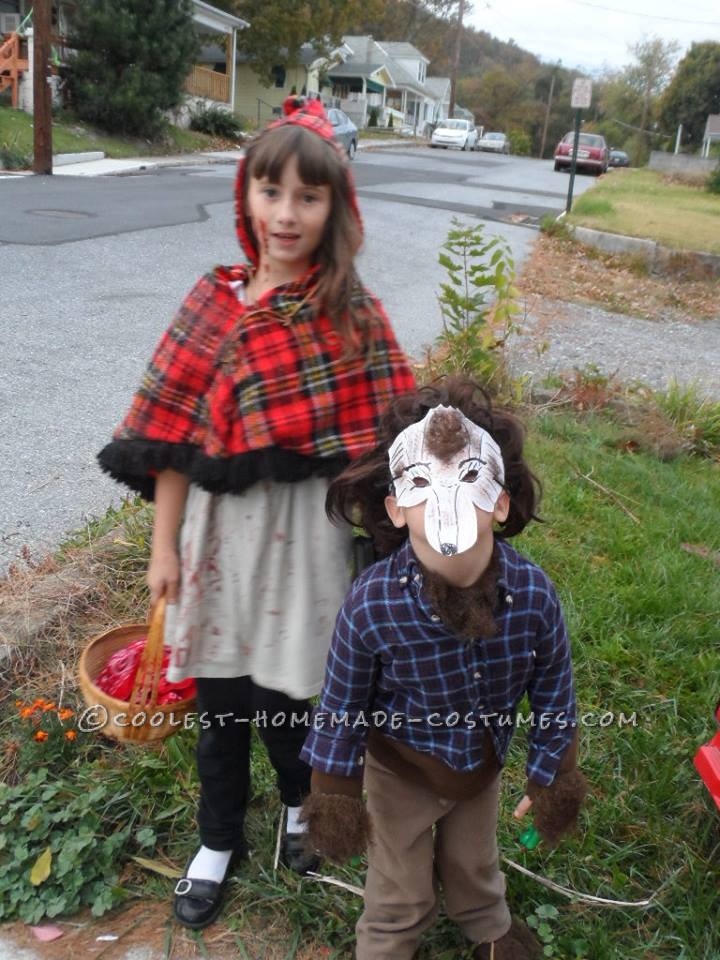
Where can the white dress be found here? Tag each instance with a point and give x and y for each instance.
(264, 574)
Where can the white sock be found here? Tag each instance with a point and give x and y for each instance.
(293, 825)
(209, 865)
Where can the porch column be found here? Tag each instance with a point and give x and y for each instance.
(364, 96)
(233, 45)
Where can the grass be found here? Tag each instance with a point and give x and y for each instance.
(642, 614)
(643, 203)
(70, 136)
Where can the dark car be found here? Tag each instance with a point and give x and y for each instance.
(344, 129)
(593, 154)
(618, 158)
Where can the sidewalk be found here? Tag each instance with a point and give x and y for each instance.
(105, 166)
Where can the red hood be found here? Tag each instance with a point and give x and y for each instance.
(305, 113)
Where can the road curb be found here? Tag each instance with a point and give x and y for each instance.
(690, 264)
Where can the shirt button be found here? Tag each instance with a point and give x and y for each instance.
(435, 618)
(361, 761)
(403, 581)
(477, 675)
(509, 599)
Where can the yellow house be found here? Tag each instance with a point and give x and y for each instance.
(258, 102)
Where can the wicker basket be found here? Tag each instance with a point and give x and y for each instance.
(141, 719)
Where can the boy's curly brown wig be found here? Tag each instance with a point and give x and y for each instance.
(358, 494)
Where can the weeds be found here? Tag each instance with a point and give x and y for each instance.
(478, 304)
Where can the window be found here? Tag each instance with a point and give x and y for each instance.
(278, 74)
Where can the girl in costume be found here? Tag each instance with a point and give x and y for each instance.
(433, 649)
(270, 380)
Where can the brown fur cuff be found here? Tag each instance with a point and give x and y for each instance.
(556, 808)
(338, 826)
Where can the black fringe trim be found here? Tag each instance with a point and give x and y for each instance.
(133, 462)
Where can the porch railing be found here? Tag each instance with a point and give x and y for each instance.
(202, 82)
(12, 66)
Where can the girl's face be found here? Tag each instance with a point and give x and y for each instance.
(288, 219)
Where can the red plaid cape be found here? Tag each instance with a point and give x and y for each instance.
(233, 394)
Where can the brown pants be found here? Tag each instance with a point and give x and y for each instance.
(406, 864)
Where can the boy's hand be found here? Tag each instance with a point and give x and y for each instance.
(522, 808)
(163, 576)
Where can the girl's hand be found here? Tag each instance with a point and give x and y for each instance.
(163, 576)
(522, 808)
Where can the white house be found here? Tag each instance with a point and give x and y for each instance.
(391, 78)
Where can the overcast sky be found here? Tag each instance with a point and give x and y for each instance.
(592, 34)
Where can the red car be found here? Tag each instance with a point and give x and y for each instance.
(593, 154)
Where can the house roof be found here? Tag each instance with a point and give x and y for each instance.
(352, 69)
(215, 19)
(439, 86)
(398, 48)
(712, 127)
(368, 52)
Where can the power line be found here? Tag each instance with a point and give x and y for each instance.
(646, 16)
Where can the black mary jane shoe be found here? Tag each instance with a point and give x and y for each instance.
(297, 854)
(197, 903)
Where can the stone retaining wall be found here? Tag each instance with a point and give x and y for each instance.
(682, 163)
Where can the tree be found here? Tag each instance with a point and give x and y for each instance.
(131, 63)
(651, 72)
(279, 28)
(694, 91)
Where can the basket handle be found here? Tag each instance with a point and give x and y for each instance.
(147, 678)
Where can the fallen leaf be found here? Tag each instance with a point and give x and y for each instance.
(41, 868)
(158, 867)
(47, 932)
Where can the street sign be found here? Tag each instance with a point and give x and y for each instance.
(581, 93)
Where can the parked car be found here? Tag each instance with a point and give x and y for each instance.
(618, 158)
(454, 133)
(593, 154)
(344, 129)
(494, 142)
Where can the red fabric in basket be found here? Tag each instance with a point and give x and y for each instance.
(118, 676)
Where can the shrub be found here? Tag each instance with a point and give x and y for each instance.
(390, 122)
(130, 64)
(373, 119)
(13, 157)
(712, 183)
(520, 143)
(216, 121)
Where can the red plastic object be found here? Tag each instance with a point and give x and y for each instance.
(707, 763)
(118, 676)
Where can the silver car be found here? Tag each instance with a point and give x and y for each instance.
(494, 142)
(344, 129)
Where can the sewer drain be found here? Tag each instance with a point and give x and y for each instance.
(64, 214)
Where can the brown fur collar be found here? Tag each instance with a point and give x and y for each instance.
(467, 611)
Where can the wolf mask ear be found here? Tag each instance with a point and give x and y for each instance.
(452, 464)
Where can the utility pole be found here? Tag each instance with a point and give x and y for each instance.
(547, 116)
(456, 58)
(42, 108)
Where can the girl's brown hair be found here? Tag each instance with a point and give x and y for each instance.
(338, 294)
(358, 494)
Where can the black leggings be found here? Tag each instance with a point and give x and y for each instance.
(223, 753)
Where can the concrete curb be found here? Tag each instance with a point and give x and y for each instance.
(663, 260)
(62, 159)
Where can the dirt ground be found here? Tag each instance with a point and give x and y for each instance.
(146, 931)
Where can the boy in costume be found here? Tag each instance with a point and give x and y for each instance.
(433, 649)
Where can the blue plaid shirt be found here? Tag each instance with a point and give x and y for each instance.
(394, 666)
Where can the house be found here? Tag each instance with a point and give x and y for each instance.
(204, 84)
(391, 78)
(712, 133)
(259, 101)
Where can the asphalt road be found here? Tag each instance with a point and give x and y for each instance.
(92, 270)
